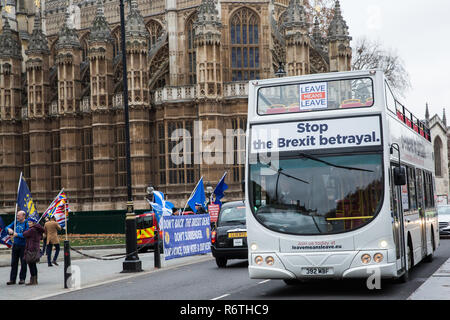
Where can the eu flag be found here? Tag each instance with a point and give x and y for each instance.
(198, 196)
(219, 190)
(25, 201)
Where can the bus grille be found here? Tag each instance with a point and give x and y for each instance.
(443, 225)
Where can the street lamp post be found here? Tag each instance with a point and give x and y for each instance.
(132, 262)
(280, 72)
(209, 191)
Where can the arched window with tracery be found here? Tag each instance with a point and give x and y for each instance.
(116, 41)
(155, 30)
(84, 47)
(438, 156)
(191, 54)
(244, 38)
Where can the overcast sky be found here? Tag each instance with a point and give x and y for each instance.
(419, 31)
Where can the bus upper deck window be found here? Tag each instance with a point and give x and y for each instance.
(316, 96)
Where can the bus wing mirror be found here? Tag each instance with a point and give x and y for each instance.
(399, 176)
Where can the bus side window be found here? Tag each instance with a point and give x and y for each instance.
(393, 195)
(429, 201)
(412, 188)
(419, 189)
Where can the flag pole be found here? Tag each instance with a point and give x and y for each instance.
(15, 214)
(191, 195)
(65, 217)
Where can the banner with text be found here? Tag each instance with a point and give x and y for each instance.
(316, 134)
(186, 235)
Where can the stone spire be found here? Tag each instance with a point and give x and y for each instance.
(298, 40)
(135, 25)
(338, 29)
(208, 14)
(207, 25)
(38, 40)
(100, 30)
(10, 47)
(317, 35)
(67, 37)
(295, 15)
(444, 119)
(427, 113)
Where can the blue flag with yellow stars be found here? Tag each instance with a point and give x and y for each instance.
(25, 201)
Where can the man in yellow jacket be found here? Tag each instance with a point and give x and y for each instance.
(51, 230)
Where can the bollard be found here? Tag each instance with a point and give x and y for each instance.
(157, 257)
(66, 262)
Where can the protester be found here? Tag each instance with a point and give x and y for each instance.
(44, 238)
(18, 249)
(32, 253)
(199, 208)
(51, 230)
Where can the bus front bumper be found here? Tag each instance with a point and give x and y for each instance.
(348, 266)
(269, 273)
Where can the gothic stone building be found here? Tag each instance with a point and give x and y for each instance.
(189, 63)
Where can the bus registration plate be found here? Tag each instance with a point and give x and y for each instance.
(316, 271)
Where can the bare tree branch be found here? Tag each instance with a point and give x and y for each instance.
(369, 54)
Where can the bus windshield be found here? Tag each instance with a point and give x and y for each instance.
(315, 96)
(310, 195)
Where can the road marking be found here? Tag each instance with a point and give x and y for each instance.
(223, 296)
(96, 284)
(264, 281)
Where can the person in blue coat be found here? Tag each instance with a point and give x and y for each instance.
(18, 249)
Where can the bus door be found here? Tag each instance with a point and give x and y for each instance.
(397, 220)
(421, 206)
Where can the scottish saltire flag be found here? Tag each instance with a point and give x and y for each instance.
(197, 196)
(219, 190)
(5, 238)
(160, 206)
(25, 201)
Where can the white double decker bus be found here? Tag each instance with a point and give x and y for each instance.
(339, 179)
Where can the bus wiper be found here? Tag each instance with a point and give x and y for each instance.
(304, 155)
(280, 171)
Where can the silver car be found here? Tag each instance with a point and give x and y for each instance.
(444, 220)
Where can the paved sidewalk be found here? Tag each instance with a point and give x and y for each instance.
(437, 287)
(91, 272)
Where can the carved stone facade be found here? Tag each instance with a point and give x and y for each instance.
(188, 62)
(440, 135)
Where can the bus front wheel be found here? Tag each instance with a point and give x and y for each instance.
(409, 254)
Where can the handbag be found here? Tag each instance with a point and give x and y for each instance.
(32, 256)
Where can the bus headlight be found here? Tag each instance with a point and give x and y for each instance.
(378, 257)
(383, 244)
(259, 260)
(365, 258)
(270, 260)
(254, 247)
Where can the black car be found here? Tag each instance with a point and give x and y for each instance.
(229, 238)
